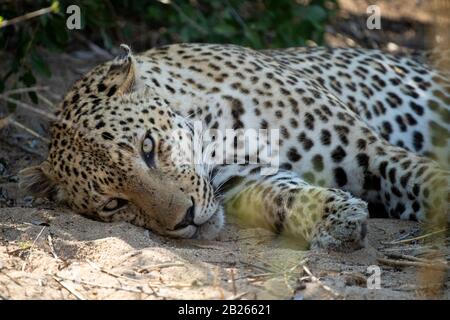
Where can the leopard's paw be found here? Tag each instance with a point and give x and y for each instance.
(344, 227)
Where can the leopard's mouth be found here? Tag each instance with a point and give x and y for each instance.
(207, 228)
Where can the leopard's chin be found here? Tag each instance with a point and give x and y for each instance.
(212, 227)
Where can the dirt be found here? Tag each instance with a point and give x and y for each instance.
(48, 252)
(55, 254)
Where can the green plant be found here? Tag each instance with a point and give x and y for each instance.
(254, 23)
(257, 23)
(22, 42)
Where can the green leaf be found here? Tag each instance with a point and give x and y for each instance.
(55, 6)
(154, 12)
(314, 13)
(225, 29)
(127, 31)
(107, 42)
(56, 33)
(39, 65)
(253, 39)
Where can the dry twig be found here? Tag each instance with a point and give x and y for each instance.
(403, 263)
(10, 278)
(70, 289)
(52, 248)
(21, 147)
(26, 129)
(5, 121)
(90, 284)
(407, 257)
(237, 296)
(95, 48)
(324, 286)
(31, 248)
(417, 238)
(233, 282)
(26, 106)
(23, 90)
(53, 8)
(46, 101)
(117, 276)
(160, 266)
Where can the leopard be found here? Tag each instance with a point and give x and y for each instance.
(358, 133)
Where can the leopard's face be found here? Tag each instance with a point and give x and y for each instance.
(128, 159)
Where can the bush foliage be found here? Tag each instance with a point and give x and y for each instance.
(253, 23)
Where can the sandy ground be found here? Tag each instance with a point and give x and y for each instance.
(55, 254)
(47, 252)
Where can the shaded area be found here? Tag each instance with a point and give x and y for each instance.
(48, 252)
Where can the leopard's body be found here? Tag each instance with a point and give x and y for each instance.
(355, 126)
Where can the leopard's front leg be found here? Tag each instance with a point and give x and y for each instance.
(284, 203)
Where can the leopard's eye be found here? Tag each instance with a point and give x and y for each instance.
(114, 205)
(148, 147)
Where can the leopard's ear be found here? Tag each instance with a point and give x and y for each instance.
(121, 76)
(37, 182)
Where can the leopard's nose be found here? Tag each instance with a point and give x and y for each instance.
(188, 218)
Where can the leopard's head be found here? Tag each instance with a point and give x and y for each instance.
(118, 153)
